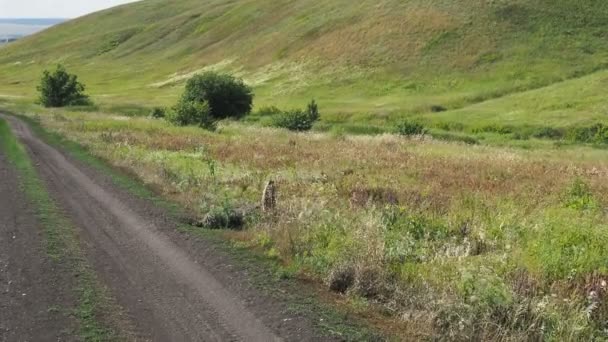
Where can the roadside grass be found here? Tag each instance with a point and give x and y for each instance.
(61, 243)
(445, 239)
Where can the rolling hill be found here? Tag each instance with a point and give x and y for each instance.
(367, 61)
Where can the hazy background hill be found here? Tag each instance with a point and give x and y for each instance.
(19, 27)
(365, 61)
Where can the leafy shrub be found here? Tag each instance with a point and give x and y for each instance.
(595, 134)
(60, 88)
(187, 113)
(295, 120)
(408, 128)
(226, 96)
(158, 113)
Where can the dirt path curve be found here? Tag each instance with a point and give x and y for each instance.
(172, 289)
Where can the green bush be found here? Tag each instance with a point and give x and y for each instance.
(187, 113)
(408, 128)
(595, 134)
(60, 88)
(227, 97)
(158, 113)
(295, 120)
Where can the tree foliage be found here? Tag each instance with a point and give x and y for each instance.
(313, 111)
(60, 88)
(227, 97)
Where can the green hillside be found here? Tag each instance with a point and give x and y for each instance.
(366, 61)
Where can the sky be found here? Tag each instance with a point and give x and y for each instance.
(53, 8)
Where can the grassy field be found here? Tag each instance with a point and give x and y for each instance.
(444, 239)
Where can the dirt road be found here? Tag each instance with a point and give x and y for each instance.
(172, 287)
(33, 290)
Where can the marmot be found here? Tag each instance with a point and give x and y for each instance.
(269, 198)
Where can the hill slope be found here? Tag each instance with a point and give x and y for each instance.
(378, 57)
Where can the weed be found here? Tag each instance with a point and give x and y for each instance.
(579, 196)
(408, 128)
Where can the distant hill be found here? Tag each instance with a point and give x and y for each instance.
(17, 30)
(364, 60)
(11, 29)
(32, 21)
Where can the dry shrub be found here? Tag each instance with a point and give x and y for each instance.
(341, 278)
(523, 284)
(595, 290)
(371, 282)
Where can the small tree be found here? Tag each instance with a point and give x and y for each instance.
(60, 88)
(313, 111)
(227, 97)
